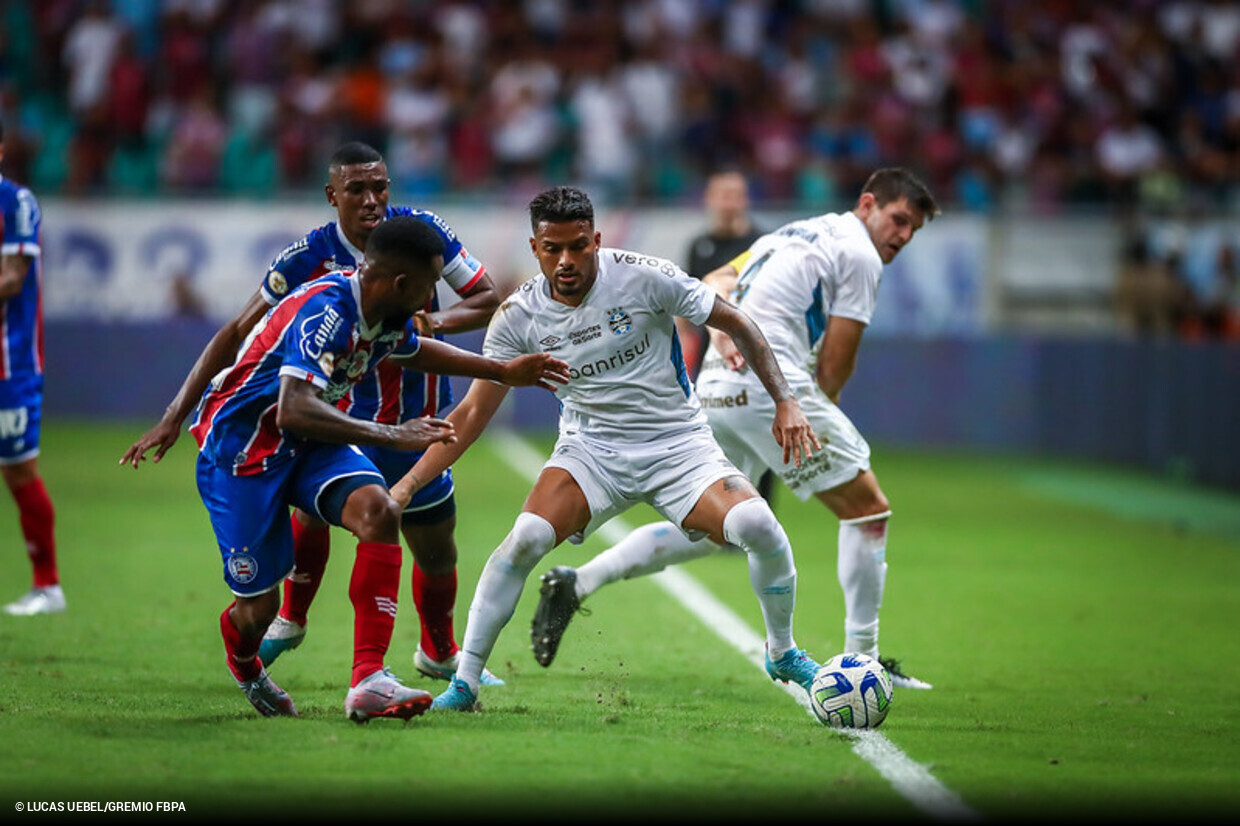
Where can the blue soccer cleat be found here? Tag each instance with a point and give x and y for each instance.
(458, 696)
(282, 635)
(794, 666)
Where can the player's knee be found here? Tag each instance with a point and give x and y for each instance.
(752, 525)
(530, 539)
(372, 515)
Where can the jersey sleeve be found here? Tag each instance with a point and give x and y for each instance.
(681, 295)
(304, 260)
(410, 344)
(285, 272)
(856, 292)
(503, 339)
(21, 225)
(317, 340)
(461, 271)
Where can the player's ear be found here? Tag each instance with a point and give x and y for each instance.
(866, 203)
(330, 192)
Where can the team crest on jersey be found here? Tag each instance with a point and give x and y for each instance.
(357, 363)
(278, 285)
(620, 321)
(242, 568)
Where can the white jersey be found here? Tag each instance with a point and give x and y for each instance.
(627, 379)
(795, 279)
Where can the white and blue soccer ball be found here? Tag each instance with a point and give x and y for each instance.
(851, 691)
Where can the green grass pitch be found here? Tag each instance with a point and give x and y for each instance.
(1079, 624)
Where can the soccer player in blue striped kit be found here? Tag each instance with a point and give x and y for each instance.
(271, 437)
(21, 392)
(359, 189)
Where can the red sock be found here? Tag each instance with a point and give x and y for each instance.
(435, 598)
(38, 520)
(373, 589)
(311, 545)
(241, 653)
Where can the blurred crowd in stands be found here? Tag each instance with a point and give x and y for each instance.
(1131, 105)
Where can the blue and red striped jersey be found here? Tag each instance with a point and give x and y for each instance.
(316, 334)
(21, 316)
(391, 394)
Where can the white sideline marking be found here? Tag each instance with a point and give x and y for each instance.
(909, 778)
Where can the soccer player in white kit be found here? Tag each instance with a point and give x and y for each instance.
(631, 428)
(811, 286)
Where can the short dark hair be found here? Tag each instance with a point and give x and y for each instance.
(406, 240)
(354, 152)
(560, 204)
(893, 183)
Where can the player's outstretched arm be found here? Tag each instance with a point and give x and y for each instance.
(792, 430)
(469, 419)
(445, 359)
(300, 410)
(219, 353)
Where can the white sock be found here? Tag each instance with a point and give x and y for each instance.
(499, 590)
(772, 573)
(646, 550)
(862, 569)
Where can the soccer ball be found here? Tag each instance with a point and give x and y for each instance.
(851, 691)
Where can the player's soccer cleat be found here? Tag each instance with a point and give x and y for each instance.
(49, 599)
(458, 696)
(446, 669)
(268, 698)
(282, 635)
(383, 695)
(794, 666)
(898, 678)
(556, 605)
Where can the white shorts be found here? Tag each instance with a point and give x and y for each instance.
(670, 475)
(742, 417)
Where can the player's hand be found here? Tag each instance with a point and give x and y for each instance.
(419, 434)
(540, 369)
(793, 432)
(726, 348)
(423, 324)
(161, 437)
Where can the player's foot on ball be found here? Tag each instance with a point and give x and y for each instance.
(383, 695)
(793, 666)
(282, 635)
(268, 698)
(556, 605)
(898, 678)
(458, 696)
(445, 669)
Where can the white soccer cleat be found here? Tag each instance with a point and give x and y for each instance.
(49, 599)
(446, 669)
(383, 695)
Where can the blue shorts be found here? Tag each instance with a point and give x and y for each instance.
(250, 514)
(431, 500)
(21, 406)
